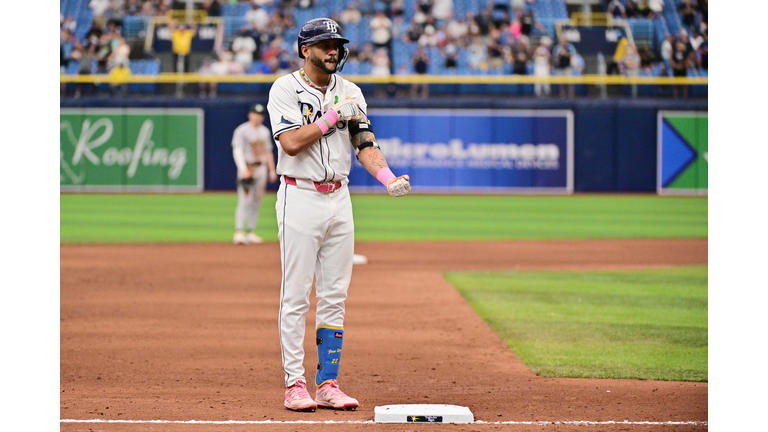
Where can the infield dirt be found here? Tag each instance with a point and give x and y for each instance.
(189, 332)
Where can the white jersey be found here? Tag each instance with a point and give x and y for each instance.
(292, 104)
(247, 133)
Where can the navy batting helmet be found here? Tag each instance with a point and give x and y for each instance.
(321, 29)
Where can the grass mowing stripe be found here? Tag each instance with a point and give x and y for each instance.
(644, 324)
(209, 217)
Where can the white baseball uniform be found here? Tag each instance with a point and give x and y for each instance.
(248, 204)
(316, 229)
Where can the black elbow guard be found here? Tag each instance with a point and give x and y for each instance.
(361, 126)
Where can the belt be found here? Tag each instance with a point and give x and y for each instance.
(254, 164)
(322, 187)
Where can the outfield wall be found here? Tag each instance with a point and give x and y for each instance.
(614, 141)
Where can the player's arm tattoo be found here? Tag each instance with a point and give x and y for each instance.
(370, 157)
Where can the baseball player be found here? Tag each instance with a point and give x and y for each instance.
(252, 151)
(315, 115)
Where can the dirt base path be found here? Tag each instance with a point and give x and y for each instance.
(189, 332)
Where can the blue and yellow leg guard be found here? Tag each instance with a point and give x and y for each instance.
(329, 341)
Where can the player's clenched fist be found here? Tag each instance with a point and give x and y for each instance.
(399, 186)
(348, 109)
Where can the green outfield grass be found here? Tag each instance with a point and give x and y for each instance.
(646, 324)
(209, 217)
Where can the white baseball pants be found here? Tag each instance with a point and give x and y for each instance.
(317, 240)
(248, 203)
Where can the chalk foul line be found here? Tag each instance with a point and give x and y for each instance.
(478, 422)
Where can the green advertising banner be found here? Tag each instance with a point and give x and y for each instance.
(683, 157)
(131, 150)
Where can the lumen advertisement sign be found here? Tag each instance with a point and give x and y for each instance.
(131, 150)
(491, 151)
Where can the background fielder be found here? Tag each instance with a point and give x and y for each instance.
(315, 115)
(252, 151)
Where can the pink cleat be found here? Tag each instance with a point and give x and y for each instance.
(330, 396)
(297, 398)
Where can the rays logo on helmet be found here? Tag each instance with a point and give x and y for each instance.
(332, 26)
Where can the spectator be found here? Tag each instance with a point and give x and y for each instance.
(473, 27)
(69, 24)
(515, 29)
(244, 47)
(424, 6)
(257, 18)
(354, 52)
(148, 9)
(696, 40)
(644, 10)
(704, 51)
(457, 28)
(484, 20)
(205, 69)
(305, 4)
(528, 23)
(275, 49)
(704, 12)
(688, 13)
(450, 51)
(477, 56)
(103, 51)
(120, 54)
(381, 30)
(420, 62)
(181, 41)
(495, 48)
(397, 8)
(381, 63)
(657, 6)
(562, 55)
(442, 9)
(413, 33)
(541, 66)
(367, 54)
(224, 66)
(683, 36)
(212, 7)
(519, 56)
(85, 57)
(666, 51)
(680, 62)
(118, 79)
(350, 15)
(616, 9)
(116, 13)
(100, 8)
(646, 61)
(65, 49)
(630, 11)
(631, 65)
(132, 8)
(93, 35)
(429, 37)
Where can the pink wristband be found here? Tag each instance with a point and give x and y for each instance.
(327, 120)
(384, 175)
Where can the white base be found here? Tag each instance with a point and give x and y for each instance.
(359, 259)
(422, 414)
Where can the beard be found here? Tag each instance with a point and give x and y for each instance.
(320, 64)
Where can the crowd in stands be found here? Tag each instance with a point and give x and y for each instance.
(502, 37)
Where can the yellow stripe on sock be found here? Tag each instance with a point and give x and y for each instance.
(329, 327)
